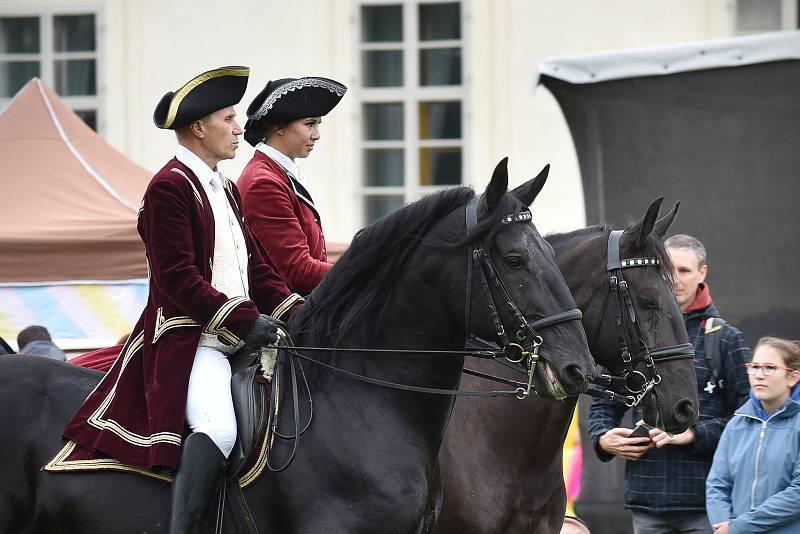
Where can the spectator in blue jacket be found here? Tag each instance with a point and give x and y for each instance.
(665, 475)
(754, 483)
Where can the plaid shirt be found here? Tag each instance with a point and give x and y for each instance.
(673, 478)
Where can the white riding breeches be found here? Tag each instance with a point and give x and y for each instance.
(209, 407)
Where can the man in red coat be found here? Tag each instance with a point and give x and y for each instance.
(210, 293)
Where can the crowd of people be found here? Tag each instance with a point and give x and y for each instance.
(737, 469)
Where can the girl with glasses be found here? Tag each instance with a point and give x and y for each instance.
(754, 483)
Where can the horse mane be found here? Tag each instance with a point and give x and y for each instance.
(653, 246)
(353, 298)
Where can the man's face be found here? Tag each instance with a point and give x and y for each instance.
(221, 134)
(688, 274)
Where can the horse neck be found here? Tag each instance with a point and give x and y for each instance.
(581, 256)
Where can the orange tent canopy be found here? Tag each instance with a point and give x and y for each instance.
(68, 199)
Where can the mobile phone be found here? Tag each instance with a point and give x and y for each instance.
(640, 431)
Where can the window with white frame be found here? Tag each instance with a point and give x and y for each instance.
(758, 16)
(411, 101)
(59, 48)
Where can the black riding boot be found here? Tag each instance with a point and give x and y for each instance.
(199, 475)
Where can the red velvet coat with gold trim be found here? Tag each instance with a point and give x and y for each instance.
(282, 216)
(136, 414)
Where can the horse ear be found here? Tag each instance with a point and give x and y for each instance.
(497, 186)
(642, 228)
(528, 191)
(661, 226)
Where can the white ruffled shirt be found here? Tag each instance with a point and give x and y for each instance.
(230, 262)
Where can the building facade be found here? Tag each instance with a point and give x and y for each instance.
(439, 90)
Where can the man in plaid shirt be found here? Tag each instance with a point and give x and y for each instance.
(665, 475)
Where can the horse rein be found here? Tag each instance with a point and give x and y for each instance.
(630, 388)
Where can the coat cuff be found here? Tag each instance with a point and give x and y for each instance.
(280, 310)
(217, 335)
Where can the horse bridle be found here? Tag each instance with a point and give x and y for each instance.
(524, 342)
(633, 385)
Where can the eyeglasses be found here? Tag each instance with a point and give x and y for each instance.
(768, 370)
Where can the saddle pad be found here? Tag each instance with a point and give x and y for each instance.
(74, 458)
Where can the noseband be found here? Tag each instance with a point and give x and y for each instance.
(524, 341)
(636, 383)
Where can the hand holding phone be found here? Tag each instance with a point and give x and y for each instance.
(641, 431)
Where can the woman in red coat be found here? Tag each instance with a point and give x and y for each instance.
(283, 124)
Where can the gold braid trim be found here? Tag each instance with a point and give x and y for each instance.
(60, 463)
(97, 421)
(287, 303)
(162, 325)
(181, 93)
(196, 192)
(214, 326)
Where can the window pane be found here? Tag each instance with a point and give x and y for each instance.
(383, 68)
(378, 206)
(440, 120)
(19, 35)
(439, 166)
(381, 24)
(75, 77)
(384, 167)
(89, 116)
(758, 15)
(439, 21)
(15, 74)
(383, 121)
(73, 33)
(440, 66)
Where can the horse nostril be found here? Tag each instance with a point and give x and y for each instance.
(684, 411)
(575, 377)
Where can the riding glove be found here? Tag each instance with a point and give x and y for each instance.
(263, 332)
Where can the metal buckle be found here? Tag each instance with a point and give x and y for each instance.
(515, 353)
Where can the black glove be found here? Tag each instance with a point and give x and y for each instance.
(263, 332)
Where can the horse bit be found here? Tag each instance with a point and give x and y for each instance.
(636, 383)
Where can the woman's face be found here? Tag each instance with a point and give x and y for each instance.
(772, 390)
(297, 139)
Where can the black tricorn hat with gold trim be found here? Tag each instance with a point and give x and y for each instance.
(289, 99)
(202, 95)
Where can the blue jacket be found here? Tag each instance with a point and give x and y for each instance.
(673, 478)
(755, 478)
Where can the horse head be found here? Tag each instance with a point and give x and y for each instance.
(660, 367)
(532, 300)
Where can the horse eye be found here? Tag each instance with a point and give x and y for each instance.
(513, 262)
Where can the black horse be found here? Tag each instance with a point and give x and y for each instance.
(501, 462)
(364, 464)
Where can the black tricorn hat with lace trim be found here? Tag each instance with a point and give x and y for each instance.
(202, 95)
(289, 99)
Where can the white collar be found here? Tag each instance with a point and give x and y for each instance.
(204, 173)
(284, 161)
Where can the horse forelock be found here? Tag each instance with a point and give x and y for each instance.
(351, 300)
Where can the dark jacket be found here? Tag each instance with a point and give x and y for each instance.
(673, 478)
